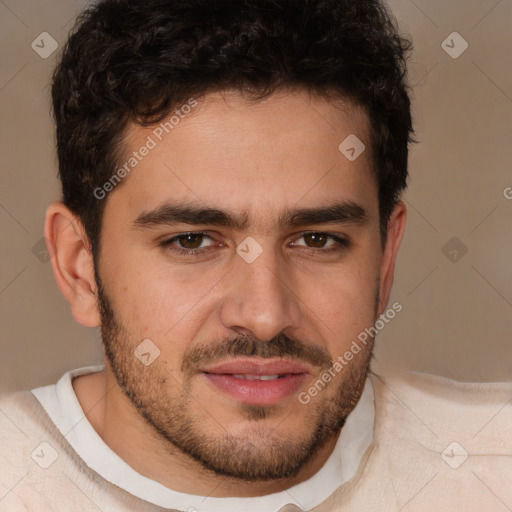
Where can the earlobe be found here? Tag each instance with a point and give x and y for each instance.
(396, 228)
(72, 262)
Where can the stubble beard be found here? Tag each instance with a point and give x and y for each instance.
(261, 453)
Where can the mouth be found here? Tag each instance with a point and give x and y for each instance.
(257, 381)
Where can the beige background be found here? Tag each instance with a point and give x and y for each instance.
(457, 315)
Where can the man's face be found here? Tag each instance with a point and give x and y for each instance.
(241, 334)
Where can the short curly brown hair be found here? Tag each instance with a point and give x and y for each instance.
(136, 60)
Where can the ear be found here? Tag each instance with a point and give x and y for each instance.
(396, 228)
(72, 263)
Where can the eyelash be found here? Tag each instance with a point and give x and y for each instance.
(343, 243)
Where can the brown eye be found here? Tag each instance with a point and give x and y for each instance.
(190, 244)
(316, 240)
(190, 240)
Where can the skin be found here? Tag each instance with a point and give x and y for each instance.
(259, 160)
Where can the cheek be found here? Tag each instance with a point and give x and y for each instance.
(155, 300)
(342, 301)
(345, 302)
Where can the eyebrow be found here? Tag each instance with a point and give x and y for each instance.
(344, 212)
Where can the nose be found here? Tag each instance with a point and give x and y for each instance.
(260, 300)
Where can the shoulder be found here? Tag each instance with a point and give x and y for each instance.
(23, 422)
(445, 388)
(35, 458)
(431, 403)
(20, 428)
(21, 417)
(40, 471)
(440, 444)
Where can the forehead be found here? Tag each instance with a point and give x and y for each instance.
(258, 158)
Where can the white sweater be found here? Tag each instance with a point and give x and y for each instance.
(439, 445)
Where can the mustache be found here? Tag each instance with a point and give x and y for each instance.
(282, 346)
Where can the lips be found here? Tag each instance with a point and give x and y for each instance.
(257, 382)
